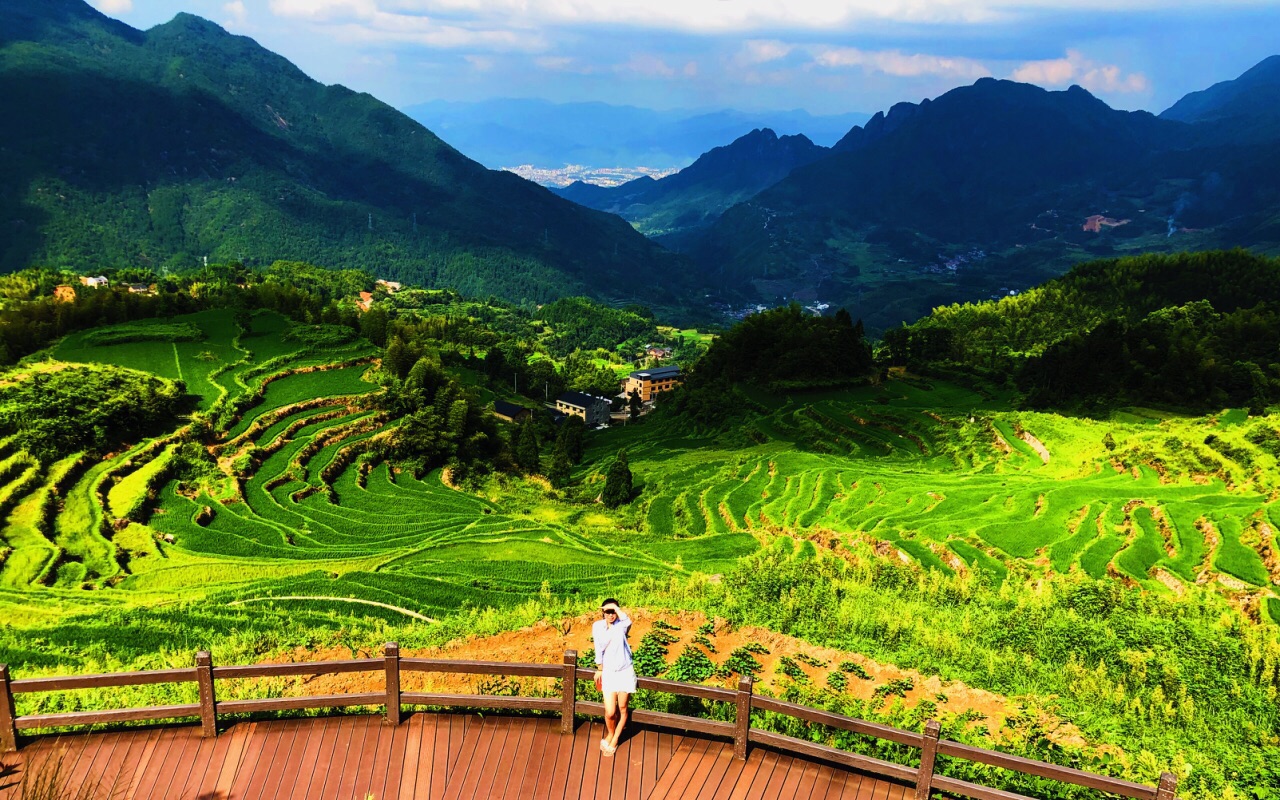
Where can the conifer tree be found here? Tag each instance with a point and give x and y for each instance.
(560, 468)
(617, 482)
(527, 455)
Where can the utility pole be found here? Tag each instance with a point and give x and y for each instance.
(371, 221)
(415, 222)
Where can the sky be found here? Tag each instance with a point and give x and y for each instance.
(825, 57)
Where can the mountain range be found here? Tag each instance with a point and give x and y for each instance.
(165, 146)
(983, 191)
(670, 208)
(510, 132)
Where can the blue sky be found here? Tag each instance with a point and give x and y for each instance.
(825, 57)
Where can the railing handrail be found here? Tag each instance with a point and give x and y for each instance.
(390, 662)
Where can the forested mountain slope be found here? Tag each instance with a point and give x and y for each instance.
(990, 188)
(695, 196)
(164, 146)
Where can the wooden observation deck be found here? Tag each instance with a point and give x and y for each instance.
(469, 756)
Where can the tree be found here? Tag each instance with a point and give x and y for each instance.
(634, 404)
(570, 438)
(560, 469)
(527, 455)
(617, 482)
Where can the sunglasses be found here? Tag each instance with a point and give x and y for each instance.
(608, 611)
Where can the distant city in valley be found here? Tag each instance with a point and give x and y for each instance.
(597, 176)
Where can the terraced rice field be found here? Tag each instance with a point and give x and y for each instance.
(940, 476)
(933, 474)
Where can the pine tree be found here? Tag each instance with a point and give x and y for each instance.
(527, 455)
(617, 482)
(560, 469)
(570, 438)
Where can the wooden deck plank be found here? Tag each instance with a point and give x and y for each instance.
(390, 786)
(649, 774)
(419, 769)
(437, 756)
(324, 784)
(472, 761)
(675, 778)
(836, 788)
(236, 754)
(759, 768)
(87, 766)
(287, 772)
(212, 753)
(634, 774)
(762, 789)
(128, 763)
(350, 764)
(189, 787)
(542, 760)
(297, 776)
(522, 757)
(375, 742)
(271, 765)
(156, 765)
(277, 737)
(501, 755)
(440, 759)
(707, 784)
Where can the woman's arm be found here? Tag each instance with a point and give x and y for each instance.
(599, 636)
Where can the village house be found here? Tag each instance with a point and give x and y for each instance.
(95, 282)
(510, 411)
(593, 410)
(64, 293)
(391, 286)
(649, 382)
(142, 288)
(658, 352)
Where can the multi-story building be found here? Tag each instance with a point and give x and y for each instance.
(649, 382)
(593, 410)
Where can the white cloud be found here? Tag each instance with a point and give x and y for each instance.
(1076, 68)
(716, 16)
(901, 65)
(480, 63)
(648, 66)
(113, 6)
(237, 14)
(762, 51)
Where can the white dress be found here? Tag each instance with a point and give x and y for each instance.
(613, 654)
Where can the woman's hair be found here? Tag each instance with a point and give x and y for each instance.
(609, 600)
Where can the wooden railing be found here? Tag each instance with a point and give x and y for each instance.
(204, 674)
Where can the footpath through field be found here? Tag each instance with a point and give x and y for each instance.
(429, 756)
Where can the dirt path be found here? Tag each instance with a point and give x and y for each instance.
(545, 643)
(387, 606)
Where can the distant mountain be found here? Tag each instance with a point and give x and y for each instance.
(696, 195)
(129, 147)
(1244, 109)
(988, 189)
(511, 132)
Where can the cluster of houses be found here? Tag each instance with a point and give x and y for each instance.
(366, 298)
(66, 293)
(647, 383)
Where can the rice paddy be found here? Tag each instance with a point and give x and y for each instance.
(927, 472)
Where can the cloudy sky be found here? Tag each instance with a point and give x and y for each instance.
(824, 56)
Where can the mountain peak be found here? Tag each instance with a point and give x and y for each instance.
(1250, 102)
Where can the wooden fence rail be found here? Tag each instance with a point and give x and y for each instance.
(392, 666)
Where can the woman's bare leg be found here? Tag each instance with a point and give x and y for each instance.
(610, 709)
(622, 698)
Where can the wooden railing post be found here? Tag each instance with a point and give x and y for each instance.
(1167, 789)
(391, 651)
(208, 700)
(742, 720)
(569, 691)
(8, 717)
(928, 755)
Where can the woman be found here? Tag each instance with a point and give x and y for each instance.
(615, 676)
